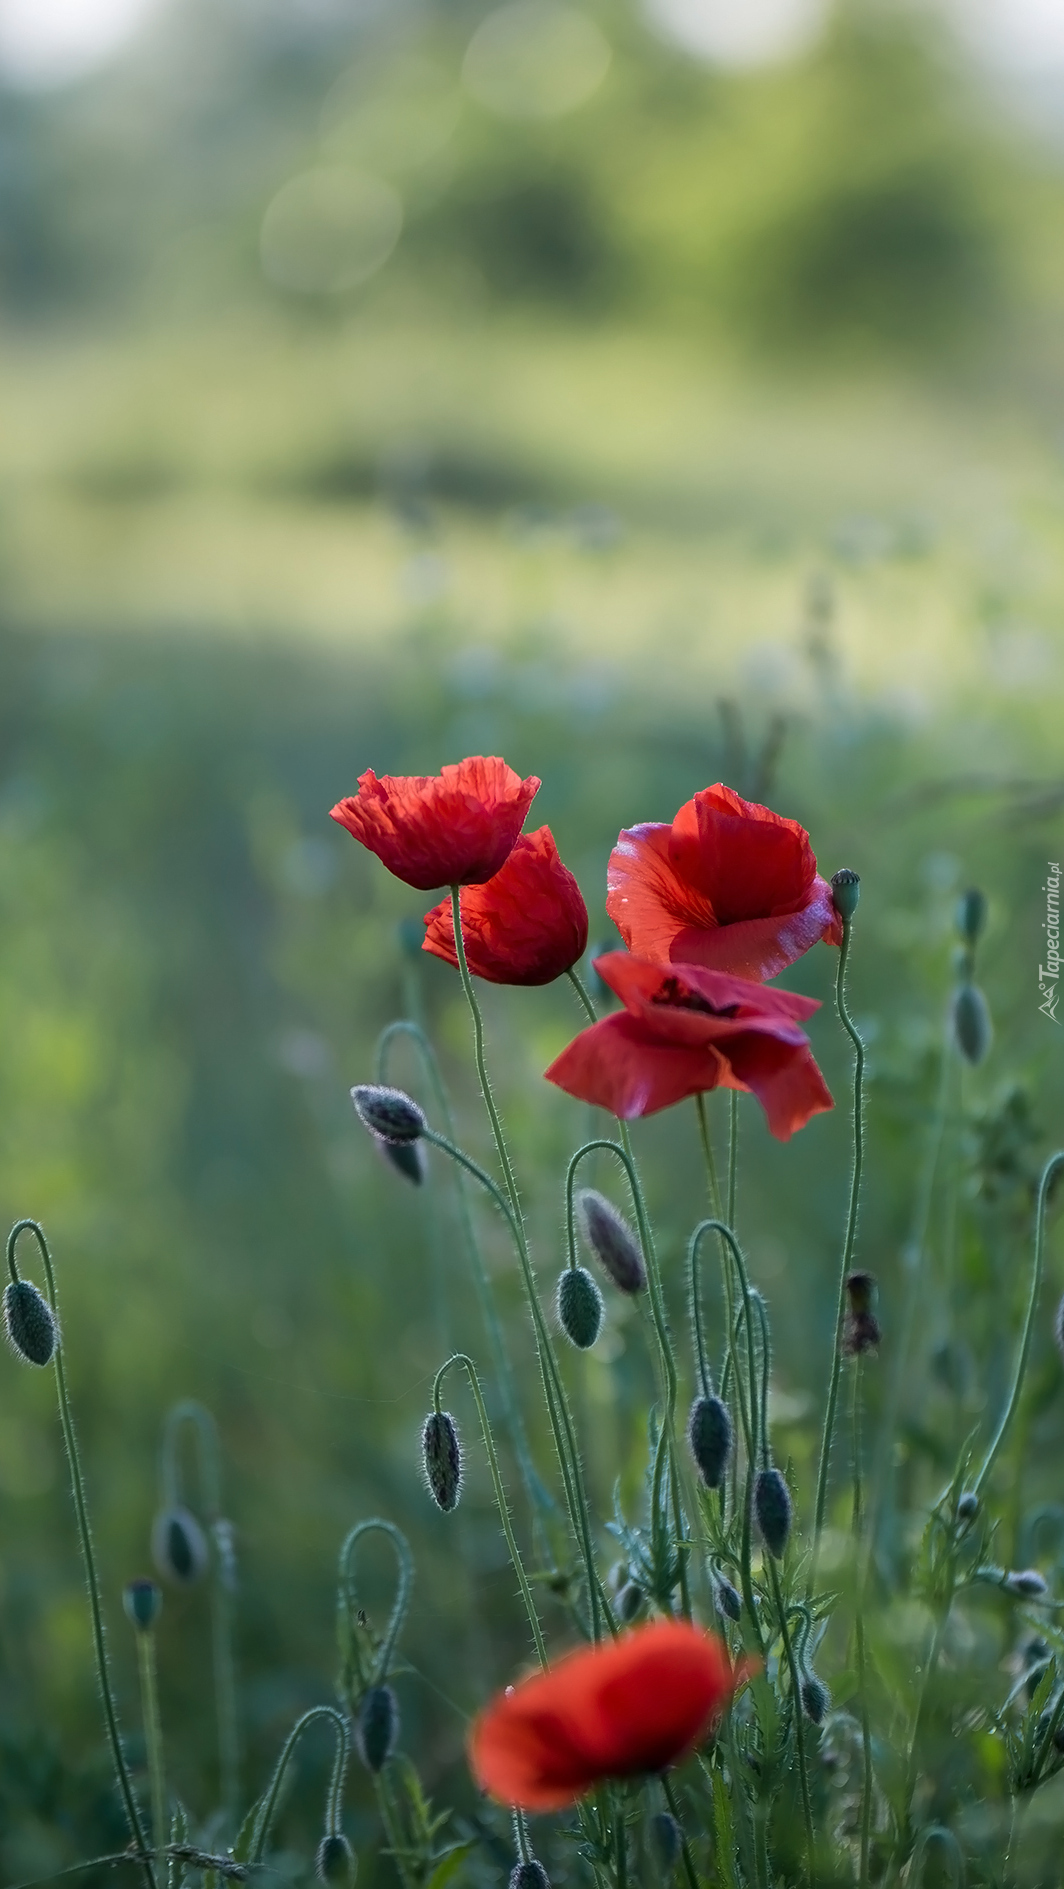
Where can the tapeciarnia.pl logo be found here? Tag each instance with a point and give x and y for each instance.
(1049, 972)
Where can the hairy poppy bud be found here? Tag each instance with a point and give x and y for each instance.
(861, 1331)
(388, 1112)
(530, 1875)
(378, 1727)
(663, 1833)
(772, 1507)
(709, 1434)
(579, 1307)
(972, 1027)
(179, 1547)
(815, 1697)
(1027, 1583)
(335, 1862)
(630, 1602)
(845, 890)
(609, 1237)
(29, 1322)
(142, 1601)
(443, 1459)
(968, 1506)
(728, 1598)
(407, 1157)
(971, 914)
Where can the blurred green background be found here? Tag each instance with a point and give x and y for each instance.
(382, 384)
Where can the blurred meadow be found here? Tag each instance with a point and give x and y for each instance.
(381, 384)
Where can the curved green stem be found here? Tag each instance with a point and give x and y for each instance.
(77, 1485)
(375, 1524)
(265, 1817)
(747, 1416)
(705, 1375)
(1055, 1161)
(867, 1783)
(501, 1503)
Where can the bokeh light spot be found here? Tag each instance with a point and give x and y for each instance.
(533, 59)
(329, 229)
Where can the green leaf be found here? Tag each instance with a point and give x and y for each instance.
(242, 1846)
(449, 1864)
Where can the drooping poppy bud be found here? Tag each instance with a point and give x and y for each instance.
(29, 1322)
(443, 1459)
(142, 1601)
(665, 1841)
(608, 1236)
(179, 1547)
(861, 1331)
(579, 1307)
(530, 1875)
(388, 1113)
(709, 1435)
(1027, 1583)
(335, 1863)
(772, 1508)
(845, 892)
(406, 1157)
(972, 1028)
(728, 1598)
(971, 915)
(815, 1697)
(378, 1727)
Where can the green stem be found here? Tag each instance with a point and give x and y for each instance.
(705, 1375)
(405, 1577)
(265, 1817)
(459, 1357)
(747, 1417)
(726, 1278)
(153, 1736)
(1055, 1161)
(849, 1240)
(733, 1153)
(673, 1802)
(799, 1722)
(867, 1784)
(125, 1783)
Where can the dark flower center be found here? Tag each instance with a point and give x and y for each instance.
(679, 997)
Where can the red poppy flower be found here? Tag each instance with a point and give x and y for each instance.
(525, 926)
(451, 828)
(684, 1031)
(618, 1710)
(728, 885)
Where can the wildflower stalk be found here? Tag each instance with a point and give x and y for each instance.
(222, 1661)
(733, 1153)
(1052, 1165)
(823, 1470)
(747, 1415)
(469, 1367)
(261, 1832)
(153, 1735)
(726, 1273)
(376, 1524)
(77, 1485)
(867, 1781)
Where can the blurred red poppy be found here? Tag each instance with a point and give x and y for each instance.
(621, 1709)
(686, 1030)
(729, 885)
(452, 828)
(525, 926)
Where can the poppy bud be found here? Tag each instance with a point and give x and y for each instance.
(407, 1157)
(388, 1112)
(968, 1506)
(815, 1697)
(709, 1434)
(972, 1028)
(579, 1307)
(663, 1833)
(845, 890)
(29, 1322)
(772, 1507)
(728, 1598)
(335, 1862)
(142, 1601)
(971, 914)
(861, 1331)
(629, 1602)
(609, 1237)
(378, 1727)
(443, 1459)
(179, 1547)
(1027, 1583)
(530, 1875)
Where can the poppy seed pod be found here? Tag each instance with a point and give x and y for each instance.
(1026, 1583)
(728, 1598)
(335, 1862)
(972, 1028)
(772, 1507)
(142, 1601)
(579, 1307)
(389, 1113)
(407, 1157)
(530, 1875)
(29, 1322)
(443, 1459)
(378, 1727)
(971, 914)
(815, 1697)
(179, 1547)
(608, 1236)
(663, 1833)
(709, 1435)
(845, 892)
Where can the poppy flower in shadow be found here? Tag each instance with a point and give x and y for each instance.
(527, 925)
(729, 885)
(687, 1030)
(452, 828)
(621, 1709)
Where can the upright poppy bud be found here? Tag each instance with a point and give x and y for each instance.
(772, 1508)
(972, 1027)
(971, 915)
(335, 1863)
(530, 1875)
(845, 892)
(728, 1598)
(442, 1456)
(388, 1113)
(579, 1307)
(179, 1547)
(609, 1237)
(861, 1331)
(377, 1728)
(709, 1435)
(142, 1603)
(29, 1322)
